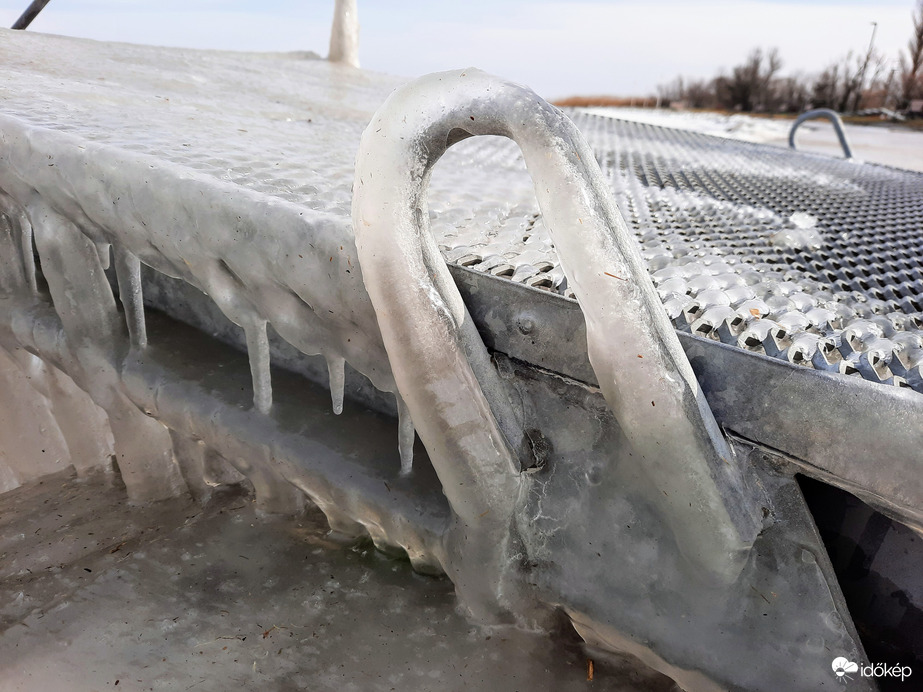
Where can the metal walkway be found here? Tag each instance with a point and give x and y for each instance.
(223, 183)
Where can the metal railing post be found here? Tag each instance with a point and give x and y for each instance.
(31, 13)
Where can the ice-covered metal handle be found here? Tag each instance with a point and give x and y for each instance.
(830, 115)
(439, 361)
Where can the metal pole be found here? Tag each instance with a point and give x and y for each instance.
(865, 65)
(30, 14)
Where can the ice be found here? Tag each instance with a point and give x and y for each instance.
(803, 220)
(632, 345)
(308, 287)
(803, 235)
(344, 36)
(337, 375)
(405, 435)
(742, 127)
(128, 273)
(161, 170)
(258, 350)
(242, 590)
(53, 423)
(892, 146)
(18, 271)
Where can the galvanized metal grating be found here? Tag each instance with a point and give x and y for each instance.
(808, 258)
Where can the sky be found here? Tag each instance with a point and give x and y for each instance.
(614, 47)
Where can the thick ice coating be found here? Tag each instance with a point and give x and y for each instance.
(344, 36)
(637, 357)
(314, 299)
(202, 167)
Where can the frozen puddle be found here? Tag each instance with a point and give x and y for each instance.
(172, 596)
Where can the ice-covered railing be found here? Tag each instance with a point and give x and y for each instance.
(262, 261)
(640, 554)
(514, 538)
(828, 114)
(439, 361)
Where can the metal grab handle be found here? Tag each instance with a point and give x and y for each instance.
(830, 115)
(431, 343)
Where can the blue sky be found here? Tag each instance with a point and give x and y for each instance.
(620, 47)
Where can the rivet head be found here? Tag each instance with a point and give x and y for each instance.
(526, 325)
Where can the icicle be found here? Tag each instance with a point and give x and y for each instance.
(128, 273)
(405, 435)
(20, 222)
(335, 369)
(28, 259)
(258, 351)
(102, 249)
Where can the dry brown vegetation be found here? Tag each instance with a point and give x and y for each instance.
(610, 101)
(857, 83)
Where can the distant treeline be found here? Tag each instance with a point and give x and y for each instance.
(611, 101)
(850, 84)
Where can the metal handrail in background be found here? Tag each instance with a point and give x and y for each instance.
(830, 115)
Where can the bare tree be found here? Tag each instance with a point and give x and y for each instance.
(891, 89)
(792, 94)
(699, 94)
(857, 80)
(750, 85)
(670, 92)
(765, 93)
(826, 88)
(911, 65)
(851, 83)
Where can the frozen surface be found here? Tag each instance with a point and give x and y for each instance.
(632, 346)
(742, 127)
(202, 168)
(703, 208)
(885, 144)
(177, 596)
(721, 227)
(231, 188)
(48, 423)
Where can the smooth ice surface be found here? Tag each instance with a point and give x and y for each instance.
(177, 596)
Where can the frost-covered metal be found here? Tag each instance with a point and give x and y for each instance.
(795, 256)
(222, 198)
(439, 359)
